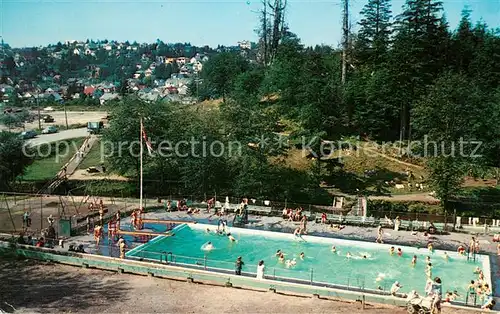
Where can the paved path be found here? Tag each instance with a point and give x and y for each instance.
(422, 197)
(59, 136)
(80, 155)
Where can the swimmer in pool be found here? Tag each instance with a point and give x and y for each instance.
(380, 277)
(477, 270)
(428, 270)
(297, 232)
(278, 252)
(430, 247)
(208, 230)
(334, 249)
(231, 238)
(302, 255)
(414, 260)
(400, 253)
(281, 257)
(391, 250)
(208, 247)
(427, 259)
(348, 255)
(445, 256)
(293, 262)
(364, 256)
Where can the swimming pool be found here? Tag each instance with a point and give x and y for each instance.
(320, 265)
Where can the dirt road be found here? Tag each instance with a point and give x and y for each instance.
(74, 117)
(28, 286)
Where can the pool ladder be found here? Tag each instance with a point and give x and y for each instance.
(469, 294)
(473, 257)
(164, 257)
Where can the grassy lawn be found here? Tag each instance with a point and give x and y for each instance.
(93, 158)
(44, 168)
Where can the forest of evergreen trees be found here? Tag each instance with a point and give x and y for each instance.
(410, 77)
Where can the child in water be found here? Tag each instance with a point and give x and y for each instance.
(348, 255)
(430, 247)
(334, 249)
(428, 270)
(302, 255)
(281, 258)
(445, 256)
(400, 253)
(209, 246)
(231, 238)
(391, 250)
(414, 260)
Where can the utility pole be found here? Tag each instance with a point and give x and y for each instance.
(345, 39)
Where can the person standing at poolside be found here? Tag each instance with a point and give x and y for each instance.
(437, 295)
(238, 266)
(97, 235)
(260, 270)
(380, 233)
(472, 245)
(397, 223)
(122, 245)
(303, 224)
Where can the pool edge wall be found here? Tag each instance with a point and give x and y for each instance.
(179, 273)
(484, 259)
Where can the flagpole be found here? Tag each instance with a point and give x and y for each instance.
(142, 128)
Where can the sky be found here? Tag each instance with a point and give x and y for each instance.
(200, 22)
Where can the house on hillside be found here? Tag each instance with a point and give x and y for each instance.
(172, 90)
(55, 97)
(182, 90)
(107, 97)
(197, 66)
(89, 90)
(161, 59)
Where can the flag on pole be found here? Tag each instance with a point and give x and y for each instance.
(145, 137)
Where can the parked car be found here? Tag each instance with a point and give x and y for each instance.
(28, 134)
(49, 130)
(48, 119)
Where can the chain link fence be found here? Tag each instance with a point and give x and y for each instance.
(14, 206)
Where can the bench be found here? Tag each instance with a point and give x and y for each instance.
(259, 210)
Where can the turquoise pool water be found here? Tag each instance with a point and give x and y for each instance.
(320, 263)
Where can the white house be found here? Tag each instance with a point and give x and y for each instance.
(183, 89)
(197, 66)
(245, 44)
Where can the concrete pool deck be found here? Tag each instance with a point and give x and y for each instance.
(95, 291)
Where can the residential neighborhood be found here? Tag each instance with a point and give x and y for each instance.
(99, 72)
